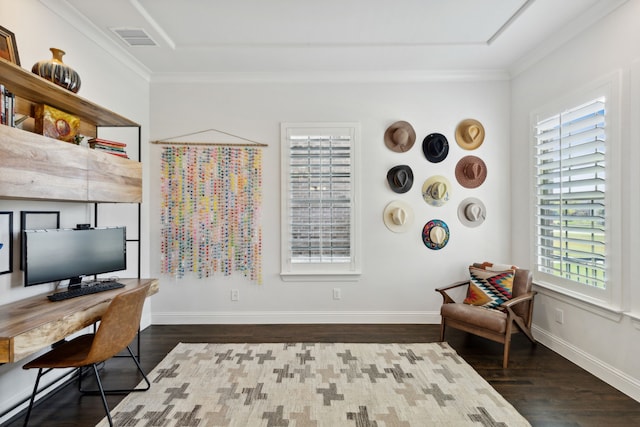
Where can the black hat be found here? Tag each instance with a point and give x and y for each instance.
(400, 178)
(435, 147)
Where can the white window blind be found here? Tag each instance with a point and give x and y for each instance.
(319, 191)
(571, 231)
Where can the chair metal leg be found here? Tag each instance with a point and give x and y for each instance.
(33, 397)
(119, 391)
(104, 398)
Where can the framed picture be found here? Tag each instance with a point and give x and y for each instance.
(36, 220)
(6, 242)
(8, 47)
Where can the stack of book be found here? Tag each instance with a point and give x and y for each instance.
(7, 107)
(111, 147)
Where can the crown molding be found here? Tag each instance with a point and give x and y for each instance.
(63, 9)
(396, 76)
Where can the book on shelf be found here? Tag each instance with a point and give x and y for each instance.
(107, 146)
(106, 142)
(7, 107)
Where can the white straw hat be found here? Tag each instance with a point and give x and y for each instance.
(398, 216)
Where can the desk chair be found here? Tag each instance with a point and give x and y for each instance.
(118, 326)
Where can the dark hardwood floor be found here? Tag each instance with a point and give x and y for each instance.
(545, 388)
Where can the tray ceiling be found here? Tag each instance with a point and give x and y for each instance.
(283, 36)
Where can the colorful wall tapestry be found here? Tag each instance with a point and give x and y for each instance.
(211, 202)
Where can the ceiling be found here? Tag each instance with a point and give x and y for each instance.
(198, 37)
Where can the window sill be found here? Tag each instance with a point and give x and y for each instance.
(320, 276)
(592, 305)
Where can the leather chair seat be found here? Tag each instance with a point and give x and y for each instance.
(486, 318)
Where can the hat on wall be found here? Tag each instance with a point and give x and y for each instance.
(471, 171)
(469, 134)
(435, 190)
(398, 216)
(400, 178)
(435, 234)
(435, 147)
(471, 212)
(400, 137)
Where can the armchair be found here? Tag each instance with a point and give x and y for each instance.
(494, 324)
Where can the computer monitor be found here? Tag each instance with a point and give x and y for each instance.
(59, 254)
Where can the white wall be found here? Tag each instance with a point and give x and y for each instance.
(105, 81)
(604, 341)
(399, 272)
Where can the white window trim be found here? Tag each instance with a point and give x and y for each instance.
(611, 297)
(321, 272)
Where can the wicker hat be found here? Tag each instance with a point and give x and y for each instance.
(398, 216)
(435, 234)
(471, 212)
(400, 178)
(470, 134)
(471, 171)
(435, 147)
(435, 190)
(400, 137)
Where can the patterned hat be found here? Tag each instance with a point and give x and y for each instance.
(435, 190)
(400, 137)
(471, 171)
(435, 234)
(400, 178)
(469, 134)
(435, 147)
(471, 212)
(398, 216)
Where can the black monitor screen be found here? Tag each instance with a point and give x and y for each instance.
(59, 254)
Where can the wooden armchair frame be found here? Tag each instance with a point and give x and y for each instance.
(493, 324)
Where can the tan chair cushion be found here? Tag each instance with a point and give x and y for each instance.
(479, 317)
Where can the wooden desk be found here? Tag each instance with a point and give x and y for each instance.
(31, 324)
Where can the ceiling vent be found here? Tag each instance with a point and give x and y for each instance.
(134, 36)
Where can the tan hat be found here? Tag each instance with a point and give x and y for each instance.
(471, 171)
(398, 216)
(469, 134)
(400, 137)
(471, 212)
(435, 190)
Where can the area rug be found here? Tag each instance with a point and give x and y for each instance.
(315, 385)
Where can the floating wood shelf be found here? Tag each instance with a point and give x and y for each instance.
(35, 167)
(28, 86)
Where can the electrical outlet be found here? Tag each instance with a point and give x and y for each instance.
(559, 316)
(337, 293)
(235, 295)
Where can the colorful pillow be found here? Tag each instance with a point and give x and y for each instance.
(489, 288)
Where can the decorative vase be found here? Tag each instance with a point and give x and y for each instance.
(57, 71)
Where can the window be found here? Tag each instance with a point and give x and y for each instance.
(572, 216)
(320, 220)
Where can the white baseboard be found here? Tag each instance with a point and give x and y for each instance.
(607, 373)
(291, 317)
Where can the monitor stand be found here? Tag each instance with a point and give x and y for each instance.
(75, 283)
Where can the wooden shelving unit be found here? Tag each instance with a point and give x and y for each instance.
(39, 168)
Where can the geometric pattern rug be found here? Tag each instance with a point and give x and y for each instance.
(315, 385)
